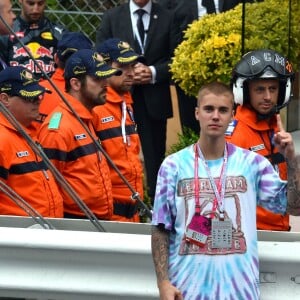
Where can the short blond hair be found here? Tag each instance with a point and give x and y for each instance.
(217, 88)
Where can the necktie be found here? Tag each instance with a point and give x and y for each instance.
(210, 6)
(140, 24)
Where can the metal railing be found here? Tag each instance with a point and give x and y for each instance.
(75, 264)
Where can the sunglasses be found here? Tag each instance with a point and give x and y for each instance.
(32, 100)
(29, 100)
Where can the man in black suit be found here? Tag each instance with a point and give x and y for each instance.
(186, 11)
(151, 92)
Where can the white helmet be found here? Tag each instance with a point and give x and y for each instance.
(258, 64)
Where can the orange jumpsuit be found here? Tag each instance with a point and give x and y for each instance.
(256, 135)
(50, 101)
(73, 152)
(23, 171)
(116, 129)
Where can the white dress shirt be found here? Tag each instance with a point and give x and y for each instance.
(146, 20)
(202, 9)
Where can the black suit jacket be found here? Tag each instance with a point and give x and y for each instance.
(162, 38)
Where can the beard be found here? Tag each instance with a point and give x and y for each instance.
(93, 99)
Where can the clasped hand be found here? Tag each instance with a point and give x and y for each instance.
(142, 74)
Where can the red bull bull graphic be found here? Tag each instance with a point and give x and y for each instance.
(42, 55)
(36, 50)
(44, 52)
(20, 52)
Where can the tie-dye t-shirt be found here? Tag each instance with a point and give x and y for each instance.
(206, 272)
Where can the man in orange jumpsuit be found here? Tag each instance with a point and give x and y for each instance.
(69, 43)
(116, 128)
(262, 86)
(68, 143)
(20, 168)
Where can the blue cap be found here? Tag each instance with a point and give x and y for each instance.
(19, 81)
(70, 43)
(88, 62)
(116, 50)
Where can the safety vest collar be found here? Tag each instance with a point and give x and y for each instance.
(79, 108)
(249, 117)
(114, 97)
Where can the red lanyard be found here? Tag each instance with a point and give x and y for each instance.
(219, 190)
(196, 182)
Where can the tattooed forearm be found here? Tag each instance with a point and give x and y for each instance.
(160, 252)
(293, 186)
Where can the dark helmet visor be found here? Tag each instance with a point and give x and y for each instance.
(254, 63)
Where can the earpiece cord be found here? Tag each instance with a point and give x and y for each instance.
(243, 27)
(289, 28)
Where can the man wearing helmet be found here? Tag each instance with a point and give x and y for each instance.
(261, 84)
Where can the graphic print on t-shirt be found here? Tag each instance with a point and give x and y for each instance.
(234, 185)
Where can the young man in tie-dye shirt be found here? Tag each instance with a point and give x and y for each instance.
(204, 240)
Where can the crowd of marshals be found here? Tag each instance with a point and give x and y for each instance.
(67, 135)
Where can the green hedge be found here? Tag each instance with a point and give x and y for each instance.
(212, 45)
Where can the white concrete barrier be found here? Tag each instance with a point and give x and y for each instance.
(68, 263)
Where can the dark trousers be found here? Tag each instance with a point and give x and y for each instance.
(153, 134)
(186, 107)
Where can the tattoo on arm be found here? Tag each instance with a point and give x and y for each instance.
(160, 252)
(293, 186)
